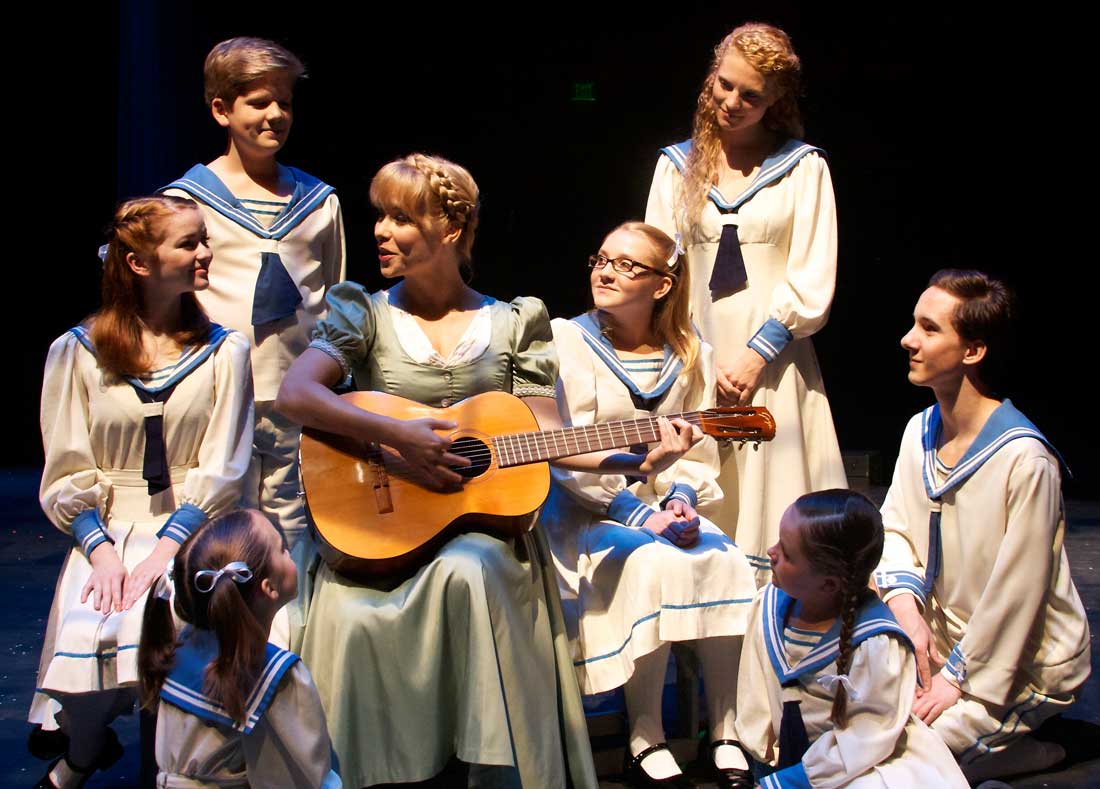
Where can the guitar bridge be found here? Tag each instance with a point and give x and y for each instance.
(380, 482)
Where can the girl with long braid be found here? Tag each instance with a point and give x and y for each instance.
(467, 658)
(837, 669)
(146, 426)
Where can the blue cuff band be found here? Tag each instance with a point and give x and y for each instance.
(770, 339)
(183, 521)
(89, 531)
(901, 579)
(684, 493)
(956, 665)
(628, 509)
(793, 777)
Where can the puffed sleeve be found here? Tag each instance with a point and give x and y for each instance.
(693, 478)
(73, 491)
(577, 396)
(883, 678)
(347, 332)
(800, 302)
(660, 208)
(334, 250)
(901, 568)
(986, 662)
(291, 746)
(534, 360)
(214, 485)
(758, 693)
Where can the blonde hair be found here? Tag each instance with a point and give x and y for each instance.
(768, 50)
(671, 320)
(235, 62)
(432, 192)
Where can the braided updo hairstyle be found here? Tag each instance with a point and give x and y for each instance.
(842, 537)
(116, 329)
(432, 191)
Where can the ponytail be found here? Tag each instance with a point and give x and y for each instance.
(231, 676)
(157, 650)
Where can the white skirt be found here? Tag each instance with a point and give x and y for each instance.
(83, 650)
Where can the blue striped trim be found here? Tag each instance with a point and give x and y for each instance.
(670, 370)
(648, 617)
(770, 339)
(89, 532)
(790, 640)
(759, 562)
(793, 777)
(189, 360)
(872, 619)
(309, 192)
(956, 664)
(980, 748)
(886, 580)
(682, 492)
(97, 655)
(1005, 424)
(628, 509)
(183, 521)
(773, 168)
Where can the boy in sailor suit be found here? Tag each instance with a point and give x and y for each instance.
(278, 238)
(973, 565)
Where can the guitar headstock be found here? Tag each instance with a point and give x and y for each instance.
(738, 423)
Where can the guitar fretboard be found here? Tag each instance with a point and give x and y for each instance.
(517, 449)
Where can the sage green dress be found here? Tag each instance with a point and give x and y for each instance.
(469, 656)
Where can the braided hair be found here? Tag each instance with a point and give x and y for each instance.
(434, 192)
(842, 537)
(116, 329)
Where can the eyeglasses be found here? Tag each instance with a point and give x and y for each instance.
(625, 266)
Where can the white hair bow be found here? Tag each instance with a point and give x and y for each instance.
(830, 682)
(205, 580)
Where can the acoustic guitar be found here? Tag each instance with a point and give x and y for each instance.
(374, 516)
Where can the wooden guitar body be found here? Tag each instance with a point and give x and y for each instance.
(373, 517)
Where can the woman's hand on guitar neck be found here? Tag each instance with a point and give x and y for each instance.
(426, 451)
(677, 437)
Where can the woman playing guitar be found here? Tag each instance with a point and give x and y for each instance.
(460, 659)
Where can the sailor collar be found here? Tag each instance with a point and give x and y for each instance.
(605, 352)
(1005, 424)
(309, 192)
(183, 686)
(774, 167)
(872, 618)
(166, 377)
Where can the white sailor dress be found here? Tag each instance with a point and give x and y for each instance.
(788, 680)
(283, 742)
(626, 590)
(772, 294)
(103, 481)
(980, 546)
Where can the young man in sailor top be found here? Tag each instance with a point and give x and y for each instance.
(278, 238)
(973, 566)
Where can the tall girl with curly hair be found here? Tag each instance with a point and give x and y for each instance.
(825, 688)
(146, 425)
(755, 206)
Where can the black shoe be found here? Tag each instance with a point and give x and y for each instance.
(635, 775)
(110, 753)
(728, 777)
(45, 745)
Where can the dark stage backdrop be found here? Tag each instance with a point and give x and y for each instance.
(928, 117)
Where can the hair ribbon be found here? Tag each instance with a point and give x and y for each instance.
(205, 580)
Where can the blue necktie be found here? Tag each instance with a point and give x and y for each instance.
(728, 274)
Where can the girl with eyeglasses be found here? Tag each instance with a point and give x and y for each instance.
(638, 566)
(756, 209)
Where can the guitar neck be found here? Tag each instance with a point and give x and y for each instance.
(518, 449)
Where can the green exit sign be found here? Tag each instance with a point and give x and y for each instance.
(584, 91)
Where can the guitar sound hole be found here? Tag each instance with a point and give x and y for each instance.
(481, 457)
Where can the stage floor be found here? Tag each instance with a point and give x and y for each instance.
(31, 552)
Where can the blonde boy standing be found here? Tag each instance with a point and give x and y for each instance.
(278, 242)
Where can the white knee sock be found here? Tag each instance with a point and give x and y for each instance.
(643, 708)
(719, 658)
